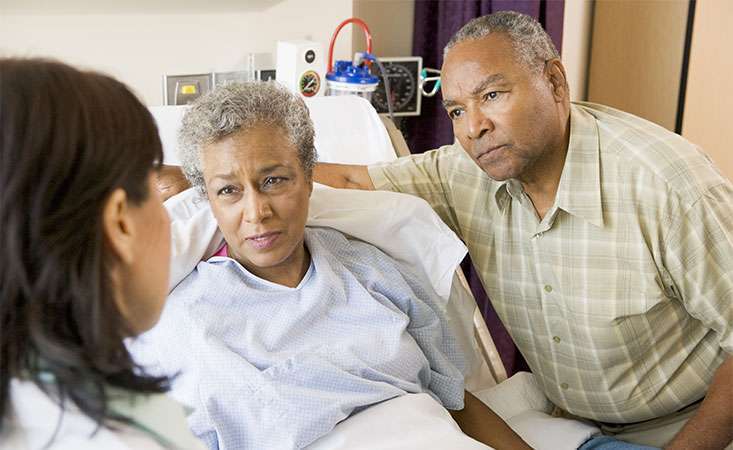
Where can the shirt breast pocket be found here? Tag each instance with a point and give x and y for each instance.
(617, 311)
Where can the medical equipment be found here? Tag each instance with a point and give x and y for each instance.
(425, 80)
(351, 78)
(403, 74)
(395, 89)
(183, 89)
(393, 85)
(301, 67)
(259, 67)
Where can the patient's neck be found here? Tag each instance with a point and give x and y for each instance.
(289, 272)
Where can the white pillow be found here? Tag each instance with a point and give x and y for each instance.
(168, 119)
(347, 130)
(403, 226)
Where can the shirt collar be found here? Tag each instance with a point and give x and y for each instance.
(506, 191)
(579, 190)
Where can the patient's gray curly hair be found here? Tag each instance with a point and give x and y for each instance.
(531, 43)
(239, 107)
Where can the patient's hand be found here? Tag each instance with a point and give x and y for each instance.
(481, 423)
(171, 181)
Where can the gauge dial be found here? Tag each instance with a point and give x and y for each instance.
(402, 86)
(309, 84)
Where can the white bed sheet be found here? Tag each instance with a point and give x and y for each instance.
(409, 422)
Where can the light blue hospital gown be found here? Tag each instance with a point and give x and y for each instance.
(264, 366)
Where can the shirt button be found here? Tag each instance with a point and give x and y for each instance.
(564, 386)
(556, 339)
(548, 288)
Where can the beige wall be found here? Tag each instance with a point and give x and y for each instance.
(709, 99)
(390, 23)
(636, 57)
(576, 38)
(138, 41)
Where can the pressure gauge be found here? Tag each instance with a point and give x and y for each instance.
(403, 74)
(310, 83)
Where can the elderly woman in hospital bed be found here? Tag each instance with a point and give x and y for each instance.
(289, 330)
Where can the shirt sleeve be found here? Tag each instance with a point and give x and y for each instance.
(425, 175)
(699, 258)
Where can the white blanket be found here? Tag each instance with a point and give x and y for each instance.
(525, 408)
(409, 422)
(416, 421)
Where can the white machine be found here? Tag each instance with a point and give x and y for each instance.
(301, 66)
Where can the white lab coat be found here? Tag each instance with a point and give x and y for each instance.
(34, 417)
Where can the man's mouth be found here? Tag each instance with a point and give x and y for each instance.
(486, 152)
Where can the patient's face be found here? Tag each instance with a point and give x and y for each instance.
(259, 195)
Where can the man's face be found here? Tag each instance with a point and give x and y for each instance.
(504, 113)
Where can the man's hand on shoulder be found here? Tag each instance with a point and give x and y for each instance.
(171, 181)
(343, 176)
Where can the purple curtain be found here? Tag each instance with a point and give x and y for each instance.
(435, 22)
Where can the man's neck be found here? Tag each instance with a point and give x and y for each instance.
(543, 179)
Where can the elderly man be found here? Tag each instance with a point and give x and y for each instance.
(604, 241)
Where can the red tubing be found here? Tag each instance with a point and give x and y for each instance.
(335, 34)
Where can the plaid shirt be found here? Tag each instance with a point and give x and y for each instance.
(620, 298)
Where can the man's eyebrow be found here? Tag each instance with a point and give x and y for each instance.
(448, 103)
(491, 79)
(486, 82)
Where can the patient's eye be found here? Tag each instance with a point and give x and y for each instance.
(226, 190)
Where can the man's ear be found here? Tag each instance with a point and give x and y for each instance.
(118, 225)
(555, 73)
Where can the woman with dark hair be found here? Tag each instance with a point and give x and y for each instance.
(84, 261)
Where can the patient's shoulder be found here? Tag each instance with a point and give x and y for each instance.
(361, 259)
(194, 289)
(344, 248)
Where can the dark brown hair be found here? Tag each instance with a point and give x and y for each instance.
(67, 139)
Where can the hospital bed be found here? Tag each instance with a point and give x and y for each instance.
(348, 130)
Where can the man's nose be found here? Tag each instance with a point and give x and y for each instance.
(478, 122)
(257, 207)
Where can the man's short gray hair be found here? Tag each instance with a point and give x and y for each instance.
(239, 107)
(531, 43)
